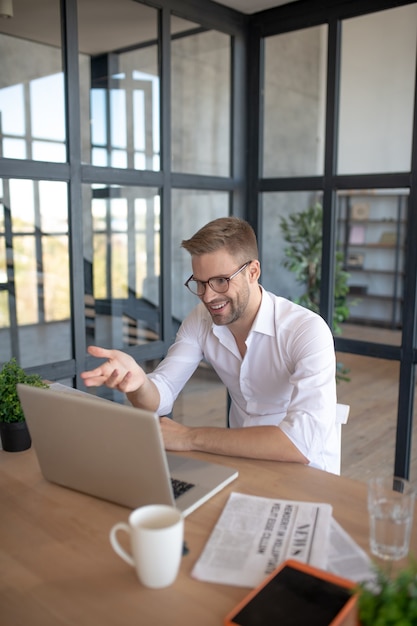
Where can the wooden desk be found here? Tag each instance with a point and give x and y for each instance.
(57, 566)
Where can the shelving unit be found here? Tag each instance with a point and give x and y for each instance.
(372, 236)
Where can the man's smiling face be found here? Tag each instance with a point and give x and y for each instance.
(224, 308)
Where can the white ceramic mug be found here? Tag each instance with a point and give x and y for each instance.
(156, 537)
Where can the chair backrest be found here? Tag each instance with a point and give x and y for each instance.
(342, 415)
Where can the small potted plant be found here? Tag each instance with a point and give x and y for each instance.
(391, 600)
(13, 428)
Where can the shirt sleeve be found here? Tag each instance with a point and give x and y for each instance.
(310, 421)
(181, 361)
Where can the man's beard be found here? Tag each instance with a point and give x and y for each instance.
(236, 308)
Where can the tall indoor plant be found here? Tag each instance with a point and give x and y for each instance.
(13, 428)
(302, 233)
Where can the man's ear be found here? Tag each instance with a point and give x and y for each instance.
(254, 270)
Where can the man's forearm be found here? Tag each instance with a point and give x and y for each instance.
(146, 397)
(256, 442)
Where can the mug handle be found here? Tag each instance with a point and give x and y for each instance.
(116, 545)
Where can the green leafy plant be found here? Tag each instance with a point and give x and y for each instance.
(390, 600)
(11, 374)
(303, 235)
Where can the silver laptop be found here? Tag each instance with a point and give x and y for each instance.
(113, 451)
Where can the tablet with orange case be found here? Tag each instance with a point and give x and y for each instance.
(297, 594)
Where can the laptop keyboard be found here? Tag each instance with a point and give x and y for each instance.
(180, 486)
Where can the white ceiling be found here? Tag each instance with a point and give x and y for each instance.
(117, 24)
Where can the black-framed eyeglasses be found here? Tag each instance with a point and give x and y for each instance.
(219, 284)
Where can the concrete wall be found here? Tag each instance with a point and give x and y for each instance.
(377, 93)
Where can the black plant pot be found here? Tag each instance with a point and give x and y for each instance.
(15, 436)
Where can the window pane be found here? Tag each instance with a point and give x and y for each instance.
(25, 279)
(192, 209)
(34, 272)
(47, 107)
(276, 250)
(200, 113)
(32, 109)
(122, 265)
(294, 103)
(123, 111)
(369, 267)
(372, 237)
(12, 105)
(377, 91)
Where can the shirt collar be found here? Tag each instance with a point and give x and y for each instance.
(264, 320)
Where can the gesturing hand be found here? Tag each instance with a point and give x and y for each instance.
(120, 371)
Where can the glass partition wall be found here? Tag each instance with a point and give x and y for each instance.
(34, 217)
(125, 126)
(130, 126)
(338, 113)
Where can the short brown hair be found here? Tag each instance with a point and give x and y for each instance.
(232, 233)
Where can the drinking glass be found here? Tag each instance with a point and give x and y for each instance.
(391, 508)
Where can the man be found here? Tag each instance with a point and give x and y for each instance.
(275, 357)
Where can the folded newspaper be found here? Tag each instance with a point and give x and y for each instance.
(253, 535)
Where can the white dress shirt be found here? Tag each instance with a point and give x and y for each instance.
(287, 377)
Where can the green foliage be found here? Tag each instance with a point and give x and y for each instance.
(342, 373)
(11, 374)
(303, 234)
(393, 602)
